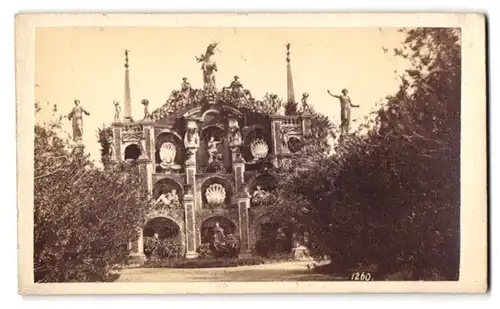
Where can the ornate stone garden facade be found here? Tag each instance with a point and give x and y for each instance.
(208, 157)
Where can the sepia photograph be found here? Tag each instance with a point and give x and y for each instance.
(230, 151)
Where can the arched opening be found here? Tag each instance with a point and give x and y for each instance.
(218, 238)
(256, 149)
(294, 144)
(208, 228)
(216, 193)
(212, 154)
(162, 238)
(273, 237)
(262, 190)
(168, 192)
(132, 152)
(169, 153)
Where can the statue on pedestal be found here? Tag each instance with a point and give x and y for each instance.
(185, 88)
(145, 102)
(209, 67)
(76, 116)
(117, 110)
(345, 109)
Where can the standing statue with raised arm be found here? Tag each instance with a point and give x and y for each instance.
(76, 116)
(345, 109)
(209, 67)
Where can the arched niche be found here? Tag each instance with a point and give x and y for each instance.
(215, 186)
(262, 189)
(213, 133)
(209, 225)
(272, 236)
(132, 152)
(256, 148)
(161, 229)
(165, 186)
(173, 145)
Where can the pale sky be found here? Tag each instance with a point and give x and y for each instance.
(88, 64)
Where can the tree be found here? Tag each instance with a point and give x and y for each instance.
(84, 217)
(391, 197)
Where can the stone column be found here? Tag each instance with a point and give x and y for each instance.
(191, 145)
(244, 223)
(137, 255)
(239, 171)
(117, 142)
(189, 207)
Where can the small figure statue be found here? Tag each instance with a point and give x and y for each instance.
(174, 198)
(185, 87)
(345, 109)
(218, 230)
(192, 139)
(305, 106)
(236, 87)
(117, 110)
(212, 149)
(235, 138)
(209, 67)
(76, 116)
(111, 151)
(145, 102)
(169, 199)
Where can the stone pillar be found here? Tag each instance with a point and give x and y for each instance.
(191, 143)
(239, 171)
(244, 223)
(117, 141)
(137, 255)
(189, 207)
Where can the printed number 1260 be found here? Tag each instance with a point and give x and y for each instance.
(361, 276)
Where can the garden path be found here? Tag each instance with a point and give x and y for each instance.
(285, 271)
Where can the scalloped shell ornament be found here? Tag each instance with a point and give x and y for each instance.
(215, 194)
(259, 149)
(167, 152)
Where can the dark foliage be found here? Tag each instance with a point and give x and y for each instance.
(391, 197)
(84, 217)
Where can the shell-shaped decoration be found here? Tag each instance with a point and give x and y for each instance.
(215, 194)
(259, 149)
(167, 152)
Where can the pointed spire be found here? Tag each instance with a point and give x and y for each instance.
(289, 80)
(127, 113)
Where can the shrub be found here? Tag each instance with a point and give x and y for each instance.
(199, 263)
(162, 248)
(205, 252)
(83, 216)
(227, 246)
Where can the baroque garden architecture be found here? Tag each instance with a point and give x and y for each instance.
(209, 157)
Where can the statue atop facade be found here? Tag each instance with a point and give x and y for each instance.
(345, 109)
(236, 88)
(305, 106)
(213, 152)
(185, 88)
(118, 109)
(145, 102)
(209, 67)
(76, 116)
